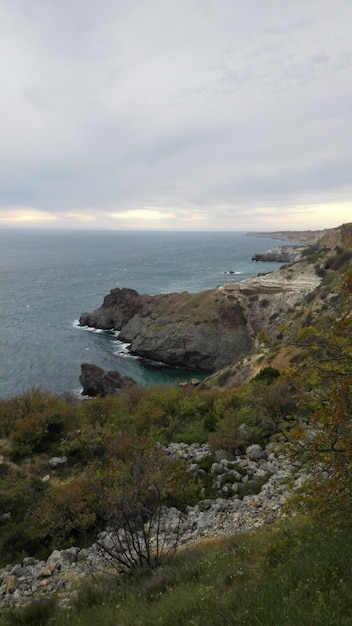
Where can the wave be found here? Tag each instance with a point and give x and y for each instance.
(98, 331)
(122, 348)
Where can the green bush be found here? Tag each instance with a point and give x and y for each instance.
(267, 374)
(34, 422)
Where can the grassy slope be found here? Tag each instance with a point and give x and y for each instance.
(289, 573)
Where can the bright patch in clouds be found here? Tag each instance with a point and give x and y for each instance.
(204, 115)
(26, 216)
(142, 215)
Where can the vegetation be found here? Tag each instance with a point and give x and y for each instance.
(289, 573)
(322, 436)
(118, 475)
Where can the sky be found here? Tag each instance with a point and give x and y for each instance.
(218, 115)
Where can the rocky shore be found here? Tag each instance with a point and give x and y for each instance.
(213, 329)
(282, 254)
(209, 330)
(249, 492)
(199, 331)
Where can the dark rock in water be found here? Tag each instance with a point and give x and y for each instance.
(98, 382)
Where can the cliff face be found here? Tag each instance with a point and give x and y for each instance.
(214, 329)
(338, 237)
(282, 254)
(208, 330)
(309, 236)
(203, 331)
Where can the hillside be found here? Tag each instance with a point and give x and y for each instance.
(277, 304)
(120, 483)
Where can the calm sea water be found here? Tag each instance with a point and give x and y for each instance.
(47, 279)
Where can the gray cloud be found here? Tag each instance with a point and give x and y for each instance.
(215, 112)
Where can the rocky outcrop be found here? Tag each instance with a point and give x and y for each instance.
(338, 237)
(249, 491)
(282, 254)
(213, 329)
(98, 382)
(118, 307)
(200, 331)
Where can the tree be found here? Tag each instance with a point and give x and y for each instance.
(126, 492)
(322, 437)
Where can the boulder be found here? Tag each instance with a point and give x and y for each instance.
(98, 382)
(11, 583)
(56, 461)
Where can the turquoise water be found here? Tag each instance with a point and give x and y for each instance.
(47, 279)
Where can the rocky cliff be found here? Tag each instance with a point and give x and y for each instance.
(338, 237)
(308, 236)
(208, 330)
(282, 254)
(213, 329)
(202, 331)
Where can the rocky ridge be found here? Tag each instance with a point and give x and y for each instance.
(250, 491)
(208, 330)
(282, 254)
(308, 236)
(200, 331)
(213, 329)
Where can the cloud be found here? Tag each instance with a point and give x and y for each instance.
(217, 115)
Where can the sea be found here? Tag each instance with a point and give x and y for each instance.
(49, 278)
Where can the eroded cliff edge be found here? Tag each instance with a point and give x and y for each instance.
(213, 329)
(202, 331)
(208, 330)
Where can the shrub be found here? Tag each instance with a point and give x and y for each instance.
(34, 422)
(267, 374)
(36, 613)
(324, 440)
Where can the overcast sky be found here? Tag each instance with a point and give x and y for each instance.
(176, 114)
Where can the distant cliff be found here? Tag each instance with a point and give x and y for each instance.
(282, 254)
(324, 239)
(291, 235)
(338, 237)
